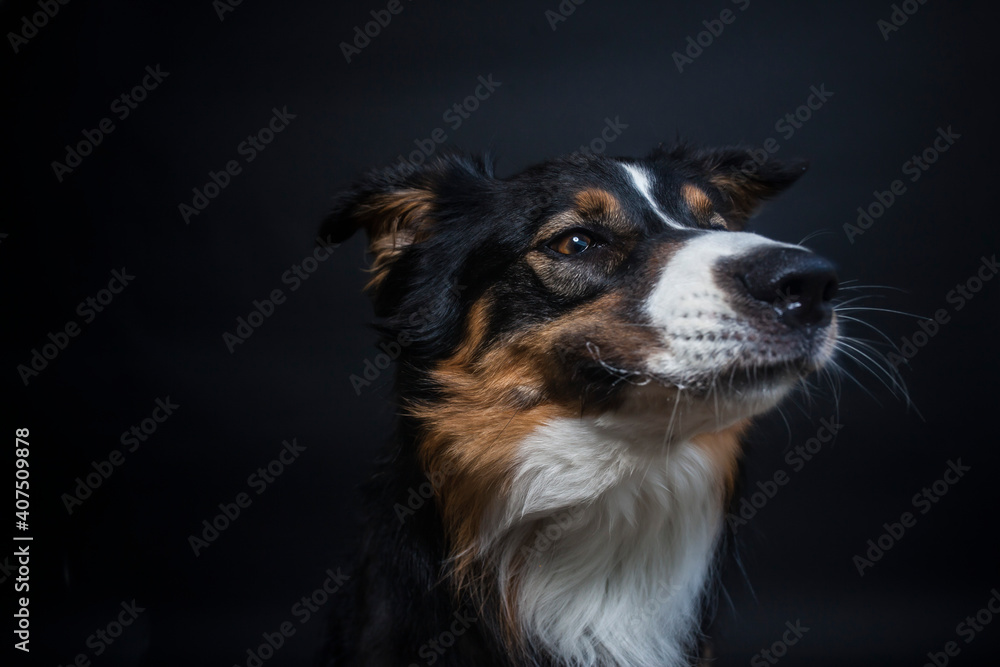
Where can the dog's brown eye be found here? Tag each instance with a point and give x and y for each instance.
(572, 243)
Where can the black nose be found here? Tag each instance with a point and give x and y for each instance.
(798, 284)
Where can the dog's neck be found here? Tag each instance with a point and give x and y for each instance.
(603, 544)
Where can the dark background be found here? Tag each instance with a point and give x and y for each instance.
(162, 336)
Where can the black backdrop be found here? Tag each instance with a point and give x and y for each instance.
(222, 73)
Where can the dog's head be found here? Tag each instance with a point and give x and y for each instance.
(594, 284)
(563, 333)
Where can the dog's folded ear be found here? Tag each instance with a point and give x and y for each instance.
(742, 177)
(394, 206)
(398, 207)
(404, 210)
(401, 209)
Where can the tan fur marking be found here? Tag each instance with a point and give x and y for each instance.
(699, 203)
(394, 221)
(597, 203)
(592, 204)
(492, 400)
(560, 222)
(724, 448)
(743, 194)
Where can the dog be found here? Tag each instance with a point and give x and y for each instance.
(581, 347)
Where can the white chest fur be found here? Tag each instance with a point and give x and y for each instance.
(605, 541)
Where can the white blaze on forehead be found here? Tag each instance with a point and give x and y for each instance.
(693, 312)
(641, 181)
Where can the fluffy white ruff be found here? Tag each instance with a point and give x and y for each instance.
(614, 537)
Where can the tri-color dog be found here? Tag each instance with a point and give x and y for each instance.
(594, 336)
